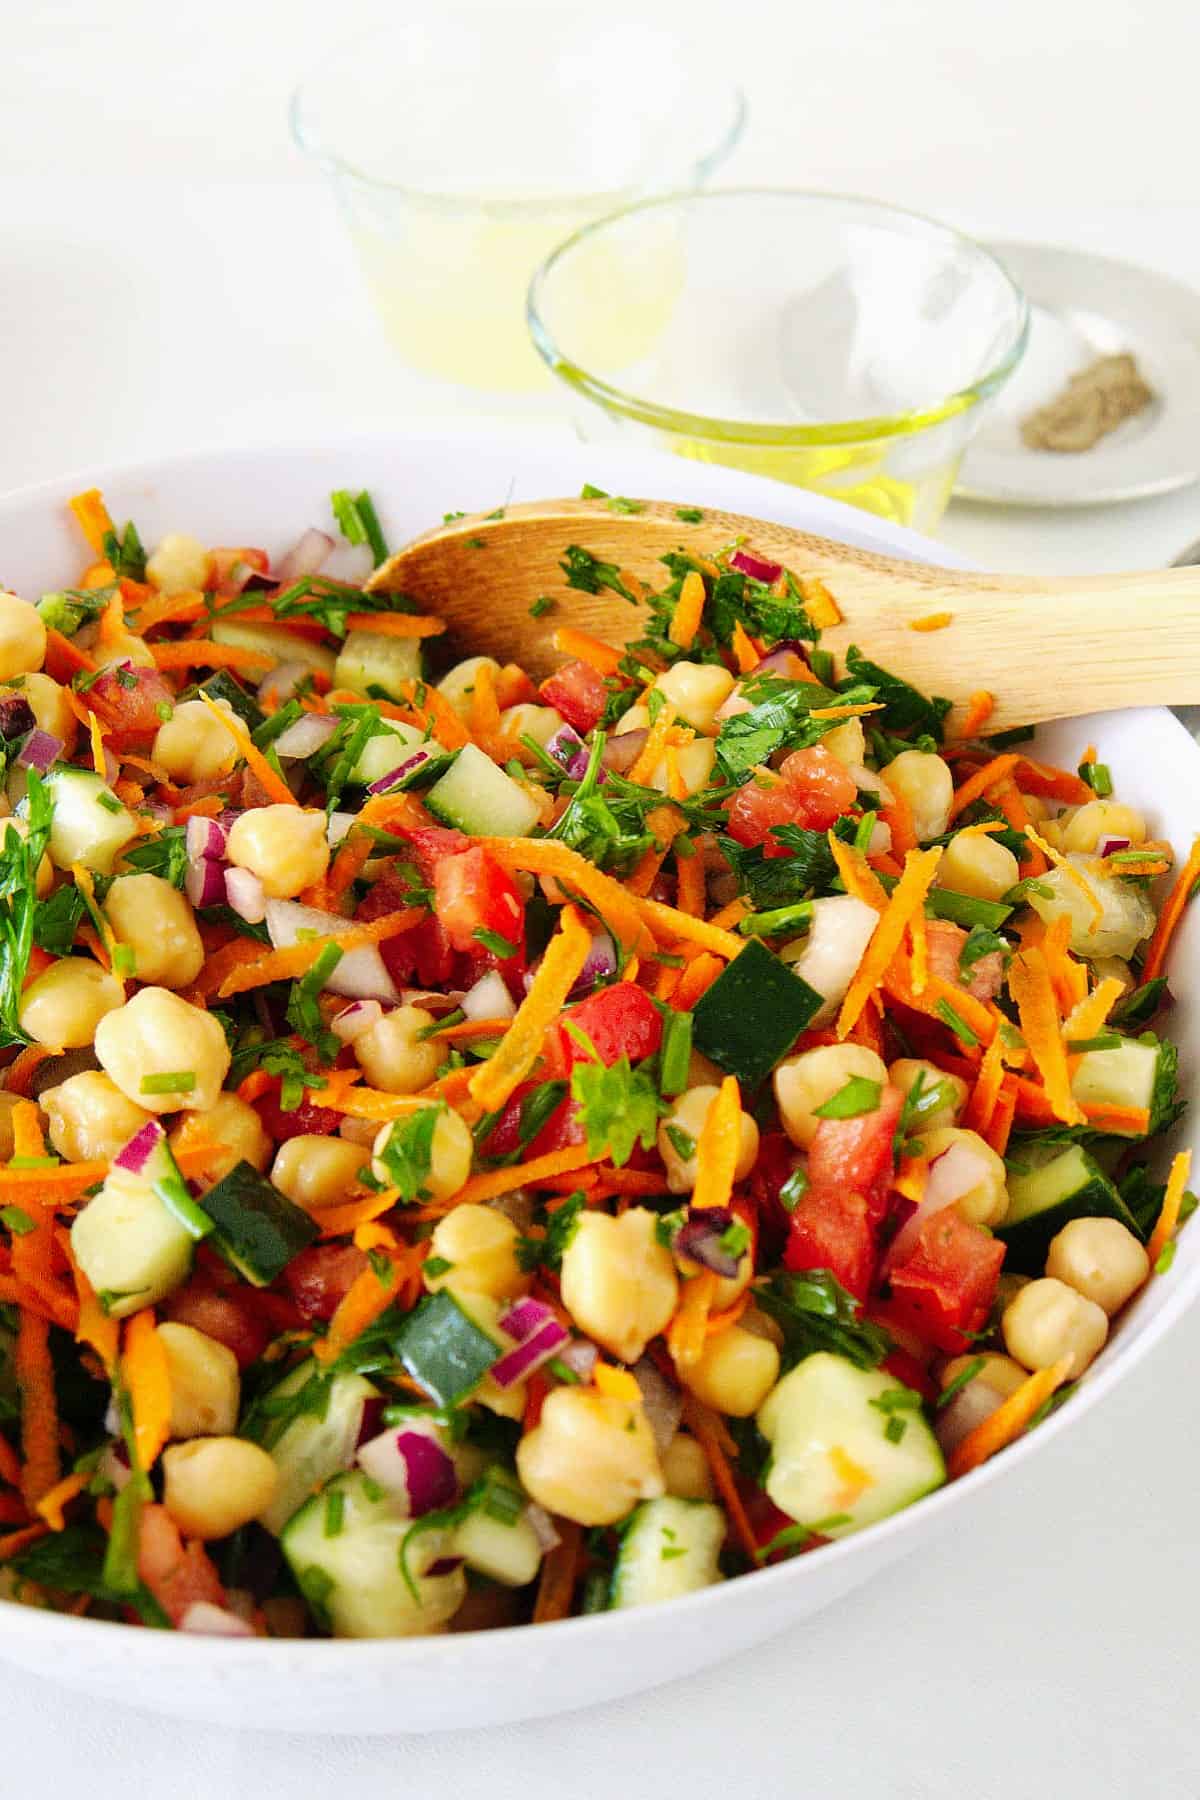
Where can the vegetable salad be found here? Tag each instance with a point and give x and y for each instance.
(473, 1152)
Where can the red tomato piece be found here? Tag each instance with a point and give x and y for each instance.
(425, 952)
(471, 893)
(319, 1279)
(778, 1160)
(178, 1575)
(430, 843)
(823, 786)
(131, 703)
(945, 1287)
(578, 692)
(831, 1229)
(858, 1154)
(305, 1120)
(560, 1129)
(230, 1318)
(621, 1020)
(224, 560)
(754, 812)
(945, 940)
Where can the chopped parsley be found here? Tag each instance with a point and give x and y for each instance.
(164, 855)
(541, 606)
(303, 1008)
(906, 709)
(618, 1107)
(980, 942)
(125, 553)
(689, 515)
(20, 859)
(547, 1252)
(589, 575)
(407, 1154)
(816, 1313)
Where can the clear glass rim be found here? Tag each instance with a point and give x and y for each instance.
(308, 139)
(745, 431)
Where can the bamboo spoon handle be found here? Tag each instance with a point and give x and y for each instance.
(1043, 647)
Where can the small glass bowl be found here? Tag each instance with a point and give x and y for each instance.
(464, 142)
(831, 342)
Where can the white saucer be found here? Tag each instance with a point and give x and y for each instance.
(1084, 306)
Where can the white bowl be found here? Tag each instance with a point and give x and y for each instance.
(266, 497)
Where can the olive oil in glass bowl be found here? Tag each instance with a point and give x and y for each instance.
(831, 342)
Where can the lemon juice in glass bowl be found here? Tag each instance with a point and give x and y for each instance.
(465, 141)
(834, 343)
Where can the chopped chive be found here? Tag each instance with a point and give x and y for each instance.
(676, 1053)
(493, 941)
(1107, 1040)
(690, 515)
(108, 801)
(335, 1509)
(858, 1096)
(1166, 1258)
(563, 1372)
(961, 1380)
(177, 1081)
(793, 1190)
(17, 1220)
(957, 1024)
(778, 920)
(589, 491)
(541, 606)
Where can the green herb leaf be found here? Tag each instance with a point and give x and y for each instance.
(816, 1313)
(618, 1107)
(589, 575)
(857, 1097)
(906, 709)
(407, 1154)
(303, 1007)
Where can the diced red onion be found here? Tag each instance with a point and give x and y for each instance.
(782, 659)
(401, 772)
(699, 1238)
(524, 1317)
(204, 1619)
(310, 733)
(445, 1565)
(1109, 845)
(565, 746)
(516, 1364)
(204, 882)
(158, 809)
(489, 998)
(134, 1155)
(360, 975)
(969, 1408)
(543, 1528)
(112, 768)
(951, 1175)
(600, 964)
(244, 893)
(869, 781)
(281, 683)
(307, 555)
(349, 563)
(355, 1019)
(756, 567)
(411, 1464)
(622, 751)
(16, 717)
(339, 825)
(40, 751)
(662, 1401)
(881, 838)
(580, 1356)
(204, 837)
(373, 1405)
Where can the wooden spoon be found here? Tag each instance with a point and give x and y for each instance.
(1045, 647)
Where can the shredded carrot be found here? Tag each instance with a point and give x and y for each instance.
(707, 1428)
(654, 748)
(1009, 1420)
(906, 899)
(23, 1068)
(335, 1221)
(367, 1297)
(1172, 912)
(545, 856)
(10, 1464)
(1168, 1218)
(50, 1506)
(718, 1147)
(147, 1377)
(646, 870)
(931, 622)
(695, 980)
(1031, 988)
(1000, 1129)
(26, 1130)
(182, 608)
(92, 514)
(49, 1187)
(431, 712)
(39, 1406)
(690, 872)
(846, 712)
(819, 603)
(484, 717)
(16, 1541)
(686, 1332)
(618, 1384)
(857, 876)
(560, 1571)
(493, 1082)
(980, 707)
(744, 649)
(354, 853)
(95, 1326)
(397, 624)
(689, 610)
(1053, 784)
(494, 1182)
(978, 1017)
(919, 945)
(976, 786)
(981, 1106)
(1089, 1016)
(669, 922)
(583, 647)
(897, 815)
(1120, 1121)
(274, 784)
(297, 959)
(203, 653)
(1068, 979)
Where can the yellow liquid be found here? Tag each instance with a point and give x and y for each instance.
(857, 475)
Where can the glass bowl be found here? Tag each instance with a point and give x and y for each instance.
(464, 142)
(828, 341)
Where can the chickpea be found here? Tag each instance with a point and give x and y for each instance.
(926, 783)
(686, 1121)
(156, 922)
(393, 1054)
(986, 1203)
(1000, 1373)
(458, 684)
(1049, 1320)
(115, 648)
(903, 1074)
(480, 1245)
(538, 722)
(735, 1372)
(44, 880)
(235, 1126)
(618, 1281)
(22, 636)
(804, 1082)
(156, 1034)
(973, 863)
(1102, 818)
(685, 1469)
(64, 1006)
(317, 1171)
(590, 1458)
(695, 764)
(696, 690)
(636, 719)
(285, 846)
(1101, 1259)
(847, 742)
(212, 1485)
(90, 1118)
(450, 1152)
(193, 746)
(985, 1388)
(205, 1384)
(49, 705)
(179, 562)
(1114, 968)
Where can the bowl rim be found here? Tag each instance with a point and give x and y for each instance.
(455, 1652)
(745, 431)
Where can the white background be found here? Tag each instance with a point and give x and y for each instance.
(172, 273)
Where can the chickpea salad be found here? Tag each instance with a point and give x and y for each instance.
(474, 1153)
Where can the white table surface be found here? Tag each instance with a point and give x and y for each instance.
(171, 273)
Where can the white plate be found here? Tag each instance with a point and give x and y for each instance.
(266, 496)
(1081, 307)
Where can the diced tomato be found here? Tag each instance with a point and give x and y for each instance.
(858, 1154)
(230, 1318)
(131, 703)
(754, 812)
(764, 1518)
(429, 843)
(945, 1287)
(178, 1575)
(319, 1279)
(560, 1129)
(985, 977)
(912, 1372)
(424, 953)
(223, 561)
(823, 786)
(473, 893)
(578, 692)
(621, 1020)
(778, 1160)
(305, 1120)
(831, 1229)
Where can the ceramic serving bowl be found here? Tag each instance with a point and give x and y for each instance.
(265, 496)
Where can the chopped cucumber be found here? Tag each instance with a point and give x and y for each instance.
(481, 799)
(370, 659)
(838, 1461)
(132, 1249)
(224, 686)
(753, 1013)
(496, 1538)
(1042, 1200)
(257, 1229)
(380, 755)
(670, 1547)
(315, 1443)
(1126, 915)
(444, 1349)
(275, 641)
(89, 826)
(354, 1579)
(1126, 1076)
